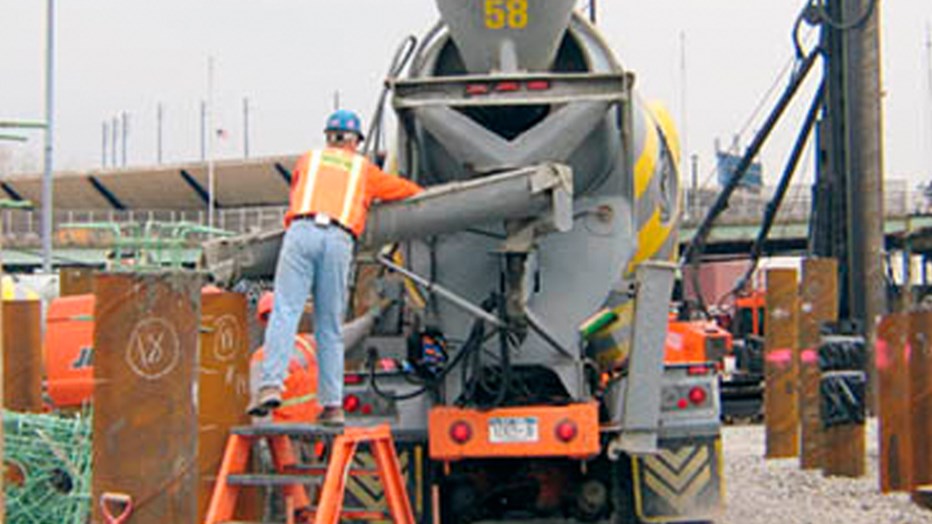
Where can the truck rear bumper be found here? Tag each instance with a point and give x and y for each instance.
(570, 431)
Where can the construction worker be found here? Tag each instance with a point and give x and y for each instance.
(331, 190)
(299, 398)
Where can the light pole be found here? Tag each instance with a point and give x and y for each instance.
(49, 126)
(210, 142)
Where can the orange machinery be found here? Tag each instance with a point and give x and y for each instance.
(69, 340)
(696, 341)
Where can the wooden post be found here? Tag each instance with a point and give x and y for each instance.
(920, 398)
(781, 407)
(896, 452)
(145, 403)
(22, 356)
(818, 304)
(223, 391)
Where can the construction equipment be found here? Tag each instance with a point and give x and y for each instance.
(742, 385)
(541, 252)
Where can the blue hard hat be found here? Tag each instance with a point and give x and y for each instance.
(343, 120)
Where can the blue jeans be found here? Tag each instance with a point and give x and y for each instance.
(313, 260)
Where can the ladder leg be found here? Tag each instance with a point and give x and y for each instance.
(392, 481)
(331, 496)
(223, 499)
(283, 457)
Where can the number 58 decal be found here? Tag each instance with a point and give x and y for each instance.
(500, 14)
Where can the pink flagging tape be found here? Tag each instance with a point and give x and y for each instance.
(809, 356)
(782, 357)
(883, 357)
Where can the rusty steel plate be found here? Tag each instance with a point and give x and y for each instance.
(223, 389)
(22, 356)
(145, 405)
(818, 304)
(893, 403)
(919, 356)
(75, 281)
(781, 407)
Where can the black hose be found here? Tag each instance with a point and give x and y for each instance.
(473, 343)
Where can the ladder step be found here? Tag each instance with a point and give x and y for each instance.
(253, 479)
(317, 430)
(303, 469)
(294, 430)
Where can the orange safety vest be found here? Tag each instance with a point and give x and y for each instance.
(299, 399)
(342, 184)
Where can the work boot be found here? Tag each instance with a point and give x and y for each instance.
(267, 399)
(332, 416)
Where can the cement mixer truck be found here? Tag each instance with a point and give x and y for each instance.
(531, 284)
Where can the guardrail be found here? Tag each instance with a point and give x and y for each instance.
(22, 227)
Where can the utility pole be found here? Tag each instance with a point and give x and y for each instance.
(210, 141)
(929, 100)
(684, 143)
(245, 127)
(125, 117)
(47, 209)
(158, 133)
(105, 136)
(115, 137)
(203, 131)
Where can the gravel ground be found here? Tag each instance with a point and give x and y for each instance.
(762, 491)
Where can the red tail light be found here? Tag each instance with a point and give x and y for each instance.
(352, 380)
(460, 432)
(507, 87)
(682, 403)
(697, 395)
(350, 403)
(567, 430)
(697, 370)
(366, 409)
(538, 85)
(477, 89)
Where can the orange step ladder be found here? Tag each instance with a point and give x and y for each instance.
(294, 480)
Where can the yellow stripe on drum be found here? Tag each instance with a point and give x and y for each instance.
(668, 127)
(647, 160)
(651, 238)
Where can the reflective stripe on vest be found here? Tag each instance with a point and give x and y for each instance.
(313, 167)
(351, 191)
(303, 399)
(299, 354)
(331, 186)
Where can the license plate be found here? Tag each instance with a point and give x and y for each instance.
(509, 430)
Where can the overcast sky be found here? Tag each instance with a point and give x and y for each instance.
(289, 57)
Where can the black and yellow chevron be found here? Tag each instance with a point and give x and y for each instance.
(683, 481)
(364, 492)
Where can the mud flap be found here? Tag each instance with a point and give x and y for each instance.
(683, 481)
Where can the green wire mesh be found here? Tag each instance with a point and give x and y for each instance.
(48, 468)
